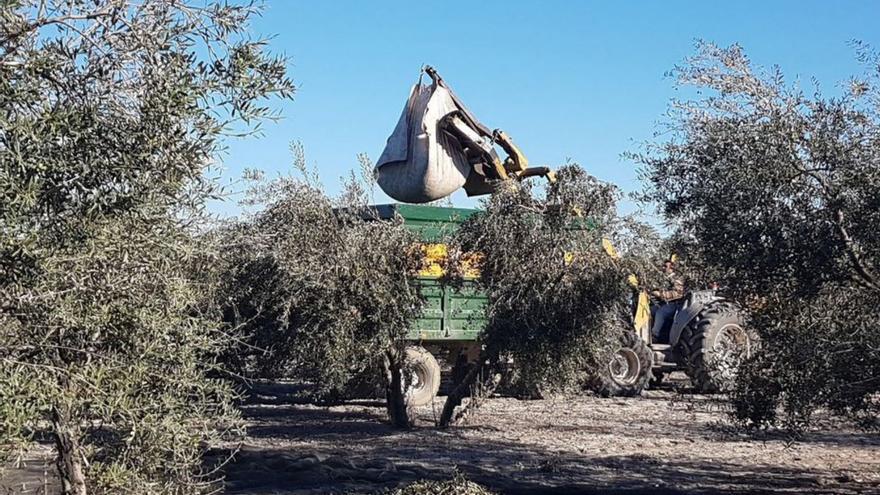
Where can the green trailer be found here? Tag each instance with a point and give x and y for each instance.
(705, 326)
(452, 319)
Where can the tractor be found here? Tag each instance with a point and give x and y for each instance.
(707, 338)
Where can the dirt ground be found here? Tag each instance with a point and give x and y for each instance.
(665, 442)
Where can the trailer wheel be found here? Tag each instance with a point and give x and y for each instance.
(421, 375)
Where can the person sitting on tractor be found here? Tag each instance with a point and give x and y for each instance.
(670, 297)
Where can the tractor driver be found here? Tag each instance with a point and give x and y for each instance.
(670, 296)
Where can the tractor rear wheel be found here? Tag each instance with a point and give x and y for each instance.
(628, 372)
(714, 345)
(421, 376)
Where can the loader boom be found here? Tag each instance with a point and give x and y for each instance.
(479, 144)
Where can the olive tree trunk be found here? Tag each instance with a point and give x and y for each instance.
(70, 459)
(480, 374)
(394, 396)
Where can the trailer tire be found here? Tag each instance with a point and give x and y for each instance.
(421, 376)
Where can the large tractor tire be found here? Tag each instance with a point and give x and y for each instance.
(714, 345)
(629, 370)
(421, 376)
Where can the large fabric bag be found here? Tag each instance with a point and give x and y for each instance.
(421, 162)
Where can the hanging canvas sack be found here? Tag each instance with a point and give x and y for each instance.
(421, 162)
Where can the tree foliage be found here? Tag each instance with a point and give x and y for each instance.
(555, 296)
(778, 193)
(110, 111)
(458, 485)
(320, 288)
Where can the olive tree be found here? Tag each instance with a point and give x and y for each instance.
(321, 289)
(777, 192)
(110, 112)
(555, 296)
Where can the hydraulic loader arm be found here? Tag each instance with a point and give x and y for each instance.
(482, 148)
(479, 144)
(516, 162)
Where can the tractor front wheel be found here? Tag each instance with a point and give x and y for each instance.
(628, 371)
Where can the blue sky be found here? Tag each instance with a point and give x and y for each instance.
(566, 79)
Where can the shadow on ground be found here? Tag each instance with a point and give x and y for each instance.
(664, 443)
(300, 448)
(505, 468)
